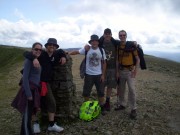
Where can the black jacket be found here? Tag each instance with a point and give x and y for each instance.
(47, 62)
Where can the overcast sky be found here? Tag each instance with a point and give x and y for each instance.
(155, 24)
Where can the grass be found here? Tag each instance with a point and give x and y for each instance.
(11, 62)
(162, 65)
(9, 56)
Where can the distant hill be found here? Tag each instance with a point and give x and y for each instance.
(10, 55)
(71, 49)
(174, 56)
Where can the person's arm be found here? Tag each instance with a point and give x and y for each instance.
(81, 51)
(28, 55)
(75, 52)
(61, 53)
(87, 47)
(137, 62)
(25, 82)
(31, 57)
(135, 43)
(104, 65)
(60, 56)
(134, 72)
(117, 64)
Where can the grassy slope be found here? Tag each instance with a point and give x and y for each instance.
(11, 62)
(162, 65)
(9, 56)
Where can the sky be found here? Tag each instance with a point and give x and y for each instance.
(154, 24)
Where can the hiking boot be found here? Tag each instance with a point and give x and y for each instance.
(107, 106)
(36, 128)
(133, 114)
(55, 128)
(103, 110)
(119, 108)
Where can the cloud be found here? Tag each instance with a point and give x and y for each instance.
(148, 22)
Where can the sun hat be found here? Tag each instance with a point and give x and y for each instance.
(52, 41)
(93, 37)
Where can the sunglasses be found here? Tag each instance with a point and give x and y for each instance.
(36, 49)
(122, 35)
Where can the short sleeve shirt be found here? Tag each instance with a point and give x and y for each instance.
(93, 61)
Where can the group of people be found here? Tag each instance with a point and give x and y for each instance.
(106, 67)
(35, 90)
(112, 70)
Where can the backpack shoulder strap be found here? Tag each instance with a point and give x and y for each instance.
(101, 50)
(85, 55)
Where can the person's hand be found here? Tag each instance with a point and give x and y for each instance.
(87, 47)
(30, 98)
(102, 78)
(117, 76)
(62, 60)
(133, 73)
(36, 63)
(135, 43)
(66, 52)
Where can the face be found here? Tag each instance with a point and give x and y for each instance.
(122, 36)
(94, 43)
(50, 48)
(107, 37)
(55, 47)
(37, 50)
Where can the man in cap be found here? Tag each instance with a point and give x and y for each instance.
(109, 44)
(47, 59)
(95, 70)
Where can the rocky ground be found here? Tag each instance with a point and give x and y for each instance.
(158, 100)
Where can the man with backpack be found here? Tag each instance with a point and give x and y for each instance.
(95, 62)
(126, 72)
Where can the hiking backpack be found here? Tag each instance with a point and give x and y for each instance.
(82, 67)
(130, 47)
(89, 110)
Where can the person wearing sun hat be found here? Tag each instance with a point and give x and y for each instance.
(52, 41)
(109, 44)
(47, 60)
(95, 69)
